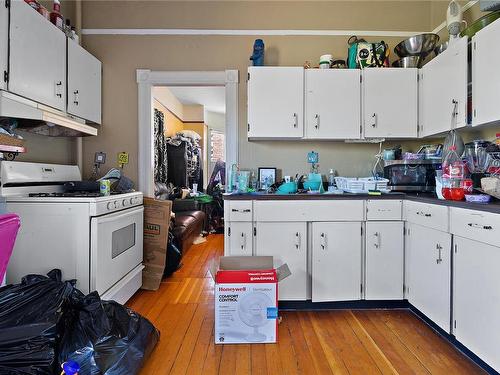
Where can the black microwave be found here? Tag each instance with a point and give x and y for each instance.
(411, 175)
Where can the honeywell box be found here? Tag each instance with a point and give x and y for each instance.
(246, 299)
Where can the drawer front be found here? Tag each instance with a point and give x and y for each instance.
(475, 225)
(239, 210)
(380, 209)
(427, 215)
(309, 210)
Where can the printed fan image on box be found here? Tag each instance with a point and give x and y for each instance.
(253, 310)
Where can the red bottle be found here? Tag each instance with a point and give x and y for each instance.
(453, 176)
(55, 16)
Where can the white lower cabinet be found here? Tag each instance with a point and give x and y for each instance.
(239, 238)
(287, 243)
(429, 273)
(336, 261)
(384, 260)
(476, 293)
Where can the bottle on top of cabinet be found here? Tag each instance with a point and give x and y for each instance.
(55, 16)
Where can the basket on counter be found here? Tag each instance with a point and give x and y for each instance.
(361, 184)
(7, 140)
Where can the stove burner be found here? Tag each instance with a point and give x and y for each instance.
(76, 194)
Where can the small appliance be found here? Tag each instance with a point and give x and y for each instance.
(411, 175)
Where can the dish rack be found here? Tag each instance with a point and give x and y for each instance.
(361, 184)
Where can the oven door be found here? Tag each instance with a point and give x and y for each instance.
(116, 247)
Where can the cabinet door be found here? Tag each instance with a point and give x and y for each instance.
(287, 243)
(84, 84)
(333, 104)
(239, 238)
(37, 57)
(485, 75)
(429, 273)
(384, 260)
(4, 40)
(390, 103)
(476, 296)
(275, 102)
(336, 261)
(443, 95)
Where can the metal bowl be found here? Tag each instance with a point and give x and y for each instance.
(417, 45)
(441, 48)
(408, 62)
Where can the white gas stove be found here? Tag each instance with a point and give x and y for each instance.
(94, 239)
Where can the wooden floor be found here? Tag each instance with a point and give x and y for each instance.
(322, 342)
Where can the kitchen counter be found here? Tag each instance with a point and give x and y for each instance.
(493, 206)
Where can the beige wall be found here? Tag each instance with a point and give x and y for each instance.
(122, 55)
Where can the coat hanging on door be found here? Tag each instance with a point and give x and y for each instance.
(160, 149)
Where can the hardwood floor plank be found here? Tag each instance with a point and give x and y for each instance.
(336, 342)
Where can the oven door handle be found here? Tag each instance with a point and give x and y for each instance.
(118, 215)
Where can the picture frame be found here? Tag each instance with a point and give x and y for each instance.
(268, 173)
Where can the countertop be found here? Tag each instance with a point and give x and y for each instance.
(493, 206)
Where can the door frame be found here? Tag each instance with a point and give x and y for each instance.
(146, 80)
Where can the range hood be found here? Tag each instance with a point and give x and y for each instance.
(40, 119)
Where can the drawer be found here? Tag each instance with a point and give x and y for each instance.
(428, 215)
(475, 225)
(309, 210)
(238, 211)
(380, 209)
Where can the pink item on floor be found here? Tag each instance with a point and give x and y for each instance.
(9, 225)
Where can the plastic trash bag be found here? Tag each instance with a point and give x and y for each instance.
(106, 338)
(31, 314)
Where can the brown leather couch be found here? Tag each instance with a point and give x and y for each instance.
(189, 223)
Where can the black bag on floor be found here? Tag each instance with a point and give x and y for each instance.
(174, 256)
(30, 317)
(106, 338)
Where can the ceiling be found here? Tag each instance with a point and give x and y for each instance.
(212, 98)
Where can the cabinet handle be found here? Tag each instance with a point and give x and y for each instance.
(295, 120)
(317, 121)
(297, 241)
(58, 90)
(423, 214)
(374, 117)
(243, 241)
(75, 93)
(242, 211)
(474, 225)
(440, 258)
(323, 241)
(377, 244)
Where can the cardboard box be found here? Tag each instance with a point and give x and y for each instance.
(156, 226)
(246, 299)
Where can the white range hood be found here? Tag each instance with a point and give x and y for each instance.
(40, 119)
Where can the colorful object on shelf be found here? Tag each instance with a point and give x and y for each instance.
(258, 53)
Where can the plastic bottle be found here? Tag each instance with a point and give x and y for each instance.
(331, 180)
(55, 16)
(453, 176)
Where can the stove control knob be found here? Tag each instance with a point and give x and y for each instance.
(117, 204)
(109, 206)
(132, 201)
(124, 203)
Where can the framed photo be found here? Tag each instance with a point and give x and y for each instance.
(267, 176)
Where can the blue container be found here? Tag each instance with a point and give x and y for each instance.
(287, 188)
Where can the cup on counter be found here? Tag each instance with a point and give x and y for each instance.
(243, 181)
(105, 187)
(389, 155)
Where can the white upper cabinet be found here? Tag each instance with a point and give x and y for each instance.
(390, 102)
(384, 260)
(333, 104)
(476, 296)
(485, 75)
(37, 57)
(84, 84)
(336, 261)
(275, 102)
(443, 91)
(4, 41)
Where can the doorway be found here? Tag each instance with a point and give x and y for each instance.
(180, 81)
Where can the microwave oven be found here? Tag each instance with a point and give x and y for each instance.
(411, 175)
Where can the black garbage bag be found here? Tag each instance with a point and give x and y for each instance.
(106, 338)
(31, 315)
